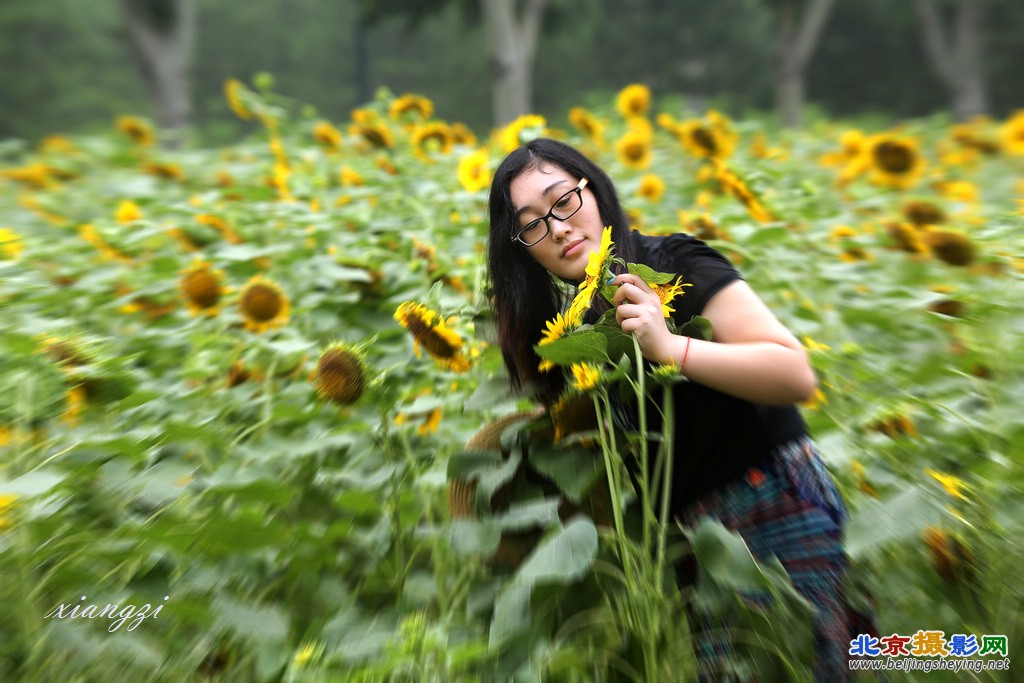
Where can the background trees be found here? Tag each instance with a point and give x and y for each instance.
(67, 67)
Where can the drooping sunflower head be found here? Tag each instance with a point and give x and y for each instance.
(473, 172)
(584, 376)
(263, 304)
(556, 328)
(521, 131)
(633, 100)
(340, 375)
(920, 212)
(634, 150)
(327, 135)
(585, 122)
(411, 106)
(234, 93)
(375, 133)
(432, 138)
(65, 352)
(895, 161)
(137, 129)
(202, 287)
(432, 333)
(1013, 133)
(667, 293)
(463, 135)
(906, 237)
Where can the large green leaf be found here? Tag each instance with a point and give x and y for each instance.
(562, 557)
(581, 347)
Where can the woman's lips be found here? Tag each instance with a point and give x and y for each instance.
(572, 247)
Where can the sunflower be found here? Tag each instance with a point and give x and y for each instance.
(959, 191)
(555, 330)
(954, 486)
(127, 212)
(920, 212)
(588, 124)
(463, 135)
(735, 186)
(11, 244)
(233, 93)
(202, 288)
(710, 138)
(263, 304)
(597, 264)
(851, 252)
(906, 237)
(954, 248)
(894, 425)
(377, 134)
(633, 100)
(434, 137)
(7, 501)
(411, 104)
(651, 188)
(667, 293)
(137, 129)
(327, 135)
(165, 170)
(433, 334)
(1013, 133)
(523, 129)
(584, 376)
(220, 225)
(340, 375)
(473, 172)
(851, 147)
(702, 226)
(350, 178)
(894, 161)
(634, 150)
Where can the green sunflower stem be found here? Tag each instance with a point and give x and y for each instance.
(608, 450)
(646, 506)
(668, 428)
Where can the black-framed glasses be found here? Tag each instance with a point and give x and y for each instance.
(563, 209)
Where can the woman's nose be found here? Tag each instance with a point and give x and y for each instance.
(559, 229)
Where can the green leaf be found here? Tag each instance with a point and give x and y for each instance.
(563, 557)
(581, 347)
(651, 276)
(474, 536)
(725, 558)
(877, 523)
(698, 328)
(531, 514)
(573, 470)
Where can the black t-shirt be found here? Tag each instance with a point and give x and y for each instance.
(717, 436)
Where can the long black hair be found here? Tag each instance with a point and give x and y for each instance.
(525, 294)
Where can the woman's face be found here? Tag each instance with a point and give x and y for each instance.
(566, 248)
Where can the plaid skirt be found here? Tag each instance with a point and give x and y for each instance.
(787, 507)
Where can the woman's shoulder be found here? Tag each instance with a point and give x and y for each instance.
(674, 249)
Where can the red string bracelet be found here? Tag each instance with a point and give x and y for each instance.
(686, 352)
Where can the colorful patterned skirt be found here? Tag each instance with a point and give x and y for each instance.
(788, 507)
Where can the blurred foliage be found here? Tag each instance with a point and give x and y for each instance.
(171, 423)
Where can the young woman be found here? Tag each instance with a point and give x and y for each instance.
(746, 458)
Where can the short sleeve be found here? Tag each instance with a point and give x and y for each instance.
(703, 268)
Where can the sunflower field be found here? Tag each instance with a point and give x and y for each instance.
(254, 394)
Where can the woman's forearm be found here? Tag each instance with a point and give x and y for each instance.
(763, 372)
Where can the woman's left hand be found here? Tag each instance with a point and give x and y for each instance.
(638, 311)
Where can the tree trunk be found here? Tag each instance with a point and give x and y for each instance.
(798, 36)
(161, 33)
(512, 43)
(959, 62)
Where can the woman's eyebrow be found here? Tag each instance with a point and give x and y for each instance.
(547, 189)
